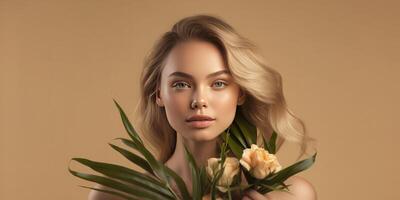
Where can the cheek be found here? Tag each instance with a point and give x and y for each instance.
(173, 99)
(176, 107)
(224, 106)
(225, 101)
(177, 101)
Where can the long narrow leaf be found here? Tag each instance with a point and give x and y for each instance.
(284, 174)
(204, 180)
(272, 142)
(179, 183)
(236, 148)
(270, 146)
(196, 184)
(137, 160)
(249, 131)
(154, 164)
(135, 191)
(215, 179)
(128, 175)
(128, 126)
(138, 144)
(266, 188)
(238, 135)
(160, 170)
(146, 153)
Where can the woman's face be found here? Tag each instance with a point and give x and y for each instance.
(195, 71)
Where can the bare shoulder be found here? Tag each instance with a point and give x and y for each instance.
(300, 189)
(98, 195)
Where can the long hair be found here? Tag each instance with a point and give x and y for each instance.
(265, 105)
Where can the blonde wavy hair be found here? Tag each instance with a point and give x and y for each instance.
(265, 105)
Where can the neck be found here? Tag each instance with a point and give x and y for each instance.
(201, 151)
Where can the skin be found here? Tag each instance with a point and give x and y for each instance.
(218, 96)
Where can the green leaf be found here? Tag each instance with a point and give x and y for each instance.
(137, 143)
(236, 148)
(179, 182)
(214, 181)
(125, 174)
(196, 182)
(159, 169)
(135, 191)
(149, 163)
(272, 142)
(238, 135)
(270, 146)
(128, 126)
(249, 131)
(205, 183)
(284, 174)
(139, 161)
(229, 193)
(249, 178)
(241, 187)
(152, 161)
(224, 145)
(284, 187)
(267, 188)
(155, 165)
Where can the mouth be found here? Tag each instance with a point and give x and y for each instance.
(201, 123)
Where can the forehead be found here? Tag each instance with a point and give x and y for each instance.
(197, 58)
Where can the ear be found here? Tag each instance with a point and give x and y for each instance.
(242, 97)
(159, 101)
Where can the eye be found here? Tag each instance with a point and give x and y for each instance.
(178, 84)
(220, 83)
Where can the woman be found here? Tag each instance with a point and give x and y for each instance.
(192, 84)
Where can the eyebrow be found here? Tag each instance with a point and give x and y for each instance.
(182, 74)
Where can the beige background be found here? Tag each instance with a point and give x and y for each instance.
(62, 62)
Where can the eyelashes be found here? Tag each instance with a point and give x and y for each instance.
(180, 83)
(177, 84)
(223, 83)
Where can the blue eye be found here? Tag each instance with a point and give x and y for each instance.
(179, 84)
(223, 83)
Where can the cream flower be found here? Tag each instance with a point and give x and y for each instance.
(259, 162)
(231, 169)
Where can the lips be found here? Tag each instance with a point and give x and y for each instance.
(200, 121)
(199, 118)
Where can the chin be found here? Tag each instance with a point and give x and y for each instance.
(202, 136)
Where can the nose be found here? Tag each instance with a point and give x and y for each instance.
(198, 104)
(198, 101)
